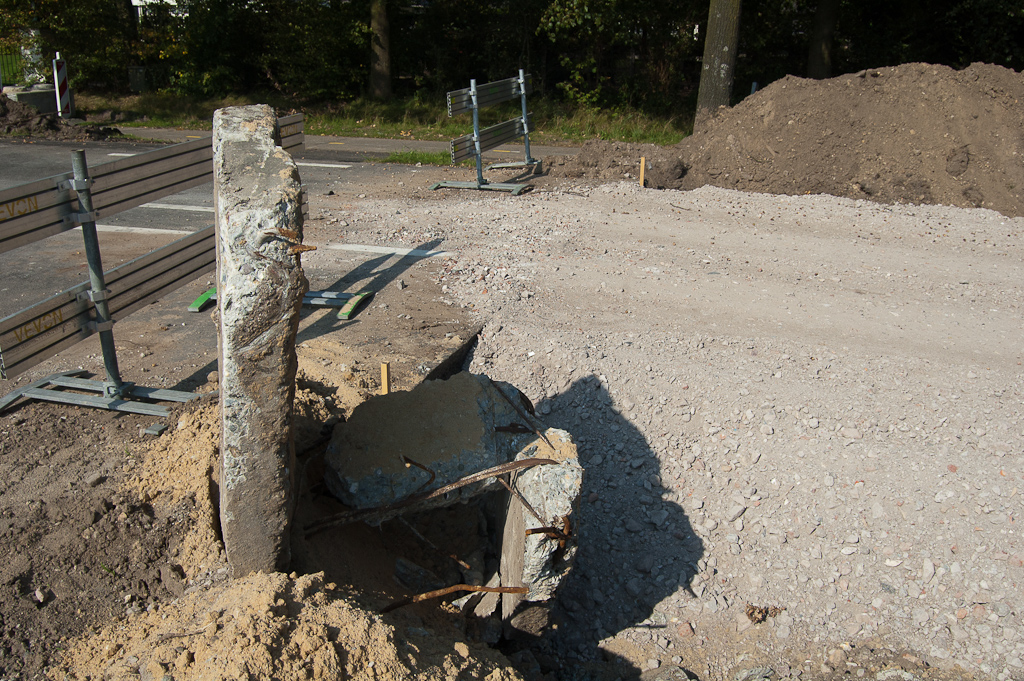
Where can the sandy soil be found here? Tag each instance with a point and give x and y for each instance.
(799, 419)
(103, 524)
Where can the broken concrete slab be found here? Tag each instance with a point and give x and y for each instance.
(539, 537)
(392, 445)
(553, 492)
(260, 285)
(42, 97)
(395, 449)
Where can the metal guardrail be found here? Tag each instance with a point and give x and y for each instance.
(39, 209)
(465, 147)
(34, 211)
(474, 98)
(489, 94)
(291, 129)
(37, 333)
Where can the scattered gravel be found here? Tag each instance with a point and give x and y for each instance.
(809, 404)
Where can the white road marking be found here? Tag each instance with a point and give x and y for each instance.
(303, 164)
(176, 206)
(388, 250)
(138, 230)
(419, 253)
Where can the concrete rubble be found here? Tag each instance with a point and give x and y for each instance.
(395, 449)
(260, 285)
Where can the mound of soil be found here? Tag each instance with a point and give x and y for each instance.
(273, 626)
(150, 559)
(23, 120)
(915, 133)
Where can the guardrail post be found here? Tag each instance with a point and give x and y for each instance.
(476, 134)
(526, 120)
(113, 385)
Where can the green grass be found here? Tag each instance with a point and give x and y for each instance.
(553, 122)
(619, 125)
(418, 118)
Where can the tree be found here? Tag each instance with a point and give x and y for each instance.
(614, 52)
(380, 58)
(94, 36)
(819, 54)
(720, 48)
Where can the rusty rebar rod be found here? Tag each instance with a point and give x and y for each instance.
(366, 513)
(452, 589)
(409, 462)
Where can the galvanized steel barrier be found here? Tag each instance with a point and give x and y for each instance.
(474, 98)
(34, 211)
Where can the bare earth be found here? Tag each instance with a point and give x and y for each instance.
(21, 120)
(803, 411)
(917, 133)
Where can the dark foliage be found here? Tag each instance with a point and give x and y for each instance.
(593, 52)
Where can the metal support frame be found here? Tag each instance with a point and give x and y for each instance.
(113, 392)
(529, 161)
(112, 387)
(514, 188)
(45, 390)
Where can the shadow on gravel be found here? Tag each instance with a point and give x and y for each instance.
(637, 552)
(375, 280)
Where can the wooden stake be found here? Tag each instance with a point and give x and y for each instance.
(643, 165)
(385, 378)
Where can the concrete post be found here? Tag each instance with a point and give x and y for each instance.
(260, 285)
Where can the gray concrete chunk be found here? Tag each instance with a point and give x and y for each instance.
(260, 285)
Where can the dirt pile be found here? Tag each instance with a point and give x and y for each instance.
(23, 120)
(915, 133)
(267, 625)
(101, 524)
(181, 470)
(273, 626)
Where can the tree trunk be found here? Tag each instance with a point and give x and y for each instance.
(130, 21)
(380, 59)
(720, 47)
(819, 55)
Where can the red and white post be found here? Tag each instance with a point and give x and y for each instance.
(60, 82)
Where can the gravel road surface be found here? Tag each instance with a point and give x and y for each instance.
(810, 405)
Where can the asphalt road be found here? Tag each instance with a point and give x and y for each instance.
(324, 161)
(355, 149)
(31, 273)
